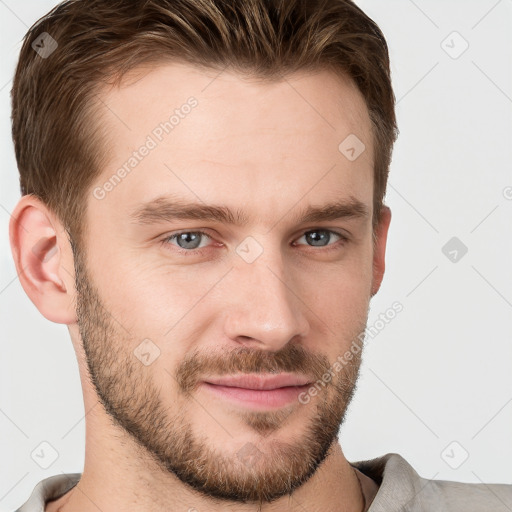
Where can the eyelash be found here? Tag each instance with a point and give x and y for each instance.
(191, 252)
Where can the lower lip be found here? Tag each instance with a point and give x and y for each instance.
(263, 399)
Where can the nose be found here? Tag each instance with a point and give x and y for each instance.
(264, 309)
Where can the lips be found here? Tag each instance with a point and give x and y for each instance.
(260, 382)
(257, 391)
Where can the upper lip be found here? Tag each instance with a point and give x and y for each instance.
(259, 381)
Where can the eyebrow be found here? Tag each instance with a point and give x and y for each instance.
(165, 209)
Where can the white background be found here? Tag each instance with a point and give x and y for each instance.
(441, 370)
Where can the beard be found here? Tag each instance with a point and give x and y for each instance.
(252, 473)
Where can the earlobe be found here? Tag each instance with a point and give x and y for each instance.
(43, 259)
(379, 253)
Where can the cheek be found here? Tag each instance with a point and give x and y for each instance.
(169, 306)
(338, 299)
(139, 290)
(343, 307)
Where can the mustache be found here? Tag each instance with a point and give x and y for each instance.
(291, 358)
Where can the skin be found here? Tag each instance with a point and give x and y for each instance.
(155, 438)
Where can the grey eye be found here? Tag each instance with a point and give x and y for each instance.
(319, 237)
(187, 240)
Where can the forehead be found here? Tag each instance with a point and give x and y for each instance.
(221, 137)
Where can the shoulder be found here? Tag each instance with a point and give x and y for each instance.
(469, 497)
(401, 488)
(49, 489)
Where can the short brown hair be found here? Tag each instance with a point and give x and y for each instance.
(59, 143)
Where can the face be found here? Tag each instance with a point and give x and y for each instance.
(214, 255)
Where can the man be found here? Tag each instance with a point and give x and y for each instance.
(202, 205)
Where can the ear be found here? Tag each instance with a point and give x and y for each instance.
(43, 258)
(379, 251)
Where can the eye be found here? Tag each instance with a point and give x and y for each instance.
(187, 241)
(321, 237)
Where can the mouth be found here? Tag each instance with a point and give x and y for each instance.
(258, 391)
